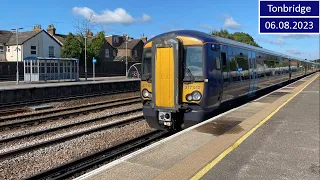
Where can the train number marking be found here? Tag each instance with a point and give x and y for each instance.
(192, 87)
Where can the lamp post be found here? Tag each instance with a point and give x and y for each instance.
(126, 58)
(127, 40)
(17, 49)
(85, 56)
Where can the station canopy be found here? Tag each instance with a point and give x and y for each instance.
(50, 69)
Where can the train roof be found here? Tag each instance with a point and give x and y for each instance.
(204, 37)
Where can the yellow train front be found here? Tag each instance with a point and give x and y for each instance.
(174, 81)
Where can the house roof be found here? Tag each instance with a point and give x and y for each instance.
(23, 37)
(32, 58)
(131, 44)
(60, 37)
(5, 36)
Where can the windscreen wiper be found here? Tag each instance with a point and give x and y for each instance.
(189, 72)
(149, 78)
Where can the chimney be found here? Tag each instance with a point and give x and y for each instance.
(126, 37)
(89, 34)
(51, 29)
(37, 27)
(144, 39)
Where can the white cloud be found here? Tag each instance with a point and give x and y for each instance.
(230, 23)
(277, 41)
(294, 51)
(146, 18)
(207, 27)
(119, 15)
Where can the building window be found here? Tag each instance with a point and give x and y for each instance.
(1, 49)
(114, 52)
(115, 39)
(51, 51)
(33, 49)
(8, 49)
(107, 53)
(135, 53)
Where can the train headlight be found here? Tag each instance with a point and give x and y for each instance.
(189, 97)
(196, 95)
(145, 93)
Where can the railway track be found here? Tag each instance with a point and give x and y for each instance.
(6, 112)
(83, 164)
(26, 149)
(39, 101)
(32, 118)
(37, 133)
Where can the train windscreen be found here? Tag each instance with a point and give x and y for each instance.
(146, 64)
(193, 62)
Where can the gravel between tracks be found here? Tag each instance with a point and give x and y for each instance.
(59, 122)
(64, 132)
(77, 102)
(49, 157)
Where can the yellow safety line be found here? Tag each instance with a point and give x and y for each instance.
(239, 141)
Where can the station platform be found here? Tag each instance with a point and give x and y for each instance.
(273, 137)
(23, 93)
(8, 85)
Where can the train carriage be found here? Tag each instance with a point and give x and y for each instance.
(187, 74)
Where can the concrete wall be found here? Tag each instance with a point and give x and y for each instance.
(42, 41)
(11, 54)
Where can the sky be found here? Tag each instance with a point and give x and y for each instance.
(154, 17)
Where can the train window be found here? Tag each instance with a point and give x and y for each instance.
(224, 59)
(218, 63)
(146, 62)
(194, 60)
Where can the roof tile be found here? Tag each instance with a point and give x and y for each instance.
(131, 44)
(5, 36)
(23, 37)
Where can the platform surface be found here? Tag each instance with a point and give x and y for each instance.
(207, 149)
(285, 147)
(8, 85)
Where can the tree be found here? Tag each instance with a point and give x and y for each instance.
(96, 46)
(72, 47)
(84, 26)
(244, 38)
(237, 36)
(222, 33)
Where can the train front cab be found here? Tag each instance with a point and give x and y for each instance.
(176, 89)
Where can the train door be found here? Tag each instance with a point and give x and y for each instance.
(225, 73)
(253, 73)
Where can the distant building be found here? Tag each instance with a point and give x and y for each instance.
(134, 50)
(37, 42)
(4, 38)
(115, 40)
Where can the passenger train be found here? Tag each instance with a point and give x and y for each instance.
(187, 74)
